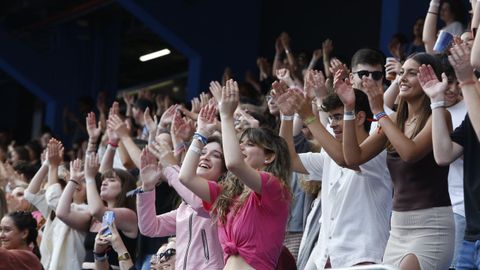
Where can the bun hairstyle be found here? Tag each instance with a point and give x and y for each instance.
(24, 220)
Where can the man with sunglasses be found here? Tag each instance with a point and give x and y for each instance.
(367, 62)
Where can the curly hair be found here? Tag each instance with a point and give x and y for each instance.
(234, 193)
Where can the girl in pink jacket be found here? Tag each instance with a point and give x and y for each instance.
(198, 246)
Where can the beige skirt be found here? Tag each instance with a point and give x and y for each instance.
(429, 234)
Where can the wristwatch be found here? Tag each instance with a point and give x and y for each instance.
(124, 256)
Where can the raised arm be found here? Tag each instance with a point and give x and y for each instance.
(188, 172)
(150, 170)
(277, 61)
(430, 26)
(445, 150)
(55, 158)
(475, 56)
(32, 194)
(74, 219)
(354, 153)
(285, 39)
(120, 128)
(234, 159)
(286, 106)
(171, 170)
(93, 131)
(181, 132)
(327, 48)
(391, 94)
(125, 219)
(95, 203)
(316, 55)
(113, 140)
(149, 223)
(468, 82)
(129, 99)
(328, 142)
(37, 180)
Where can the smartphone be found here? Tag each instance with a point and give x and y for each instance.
(108, 219)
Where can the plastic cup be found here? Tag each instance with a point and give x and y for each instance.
(444, 40)
(390, 76)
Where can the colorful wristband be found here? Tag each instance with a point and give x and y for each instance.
(309, 120)
(200, 137)
(380, 115)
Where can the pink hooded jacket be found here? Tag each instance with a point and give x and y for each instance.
(197, 242)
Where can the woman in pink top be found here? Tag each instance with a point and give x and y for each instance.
(251, 205)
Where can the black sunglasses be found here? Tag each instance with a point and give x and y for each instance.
(376, 75)
(168, 253)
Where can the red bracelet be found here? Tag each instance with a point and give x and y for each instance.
(461, 84)
(113, 144)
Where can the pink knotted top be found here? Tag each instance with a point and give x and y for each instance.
(257, 230)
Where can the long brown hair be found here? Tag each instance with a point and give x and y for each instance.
(128, 182)
(234, 192)
(402, 111)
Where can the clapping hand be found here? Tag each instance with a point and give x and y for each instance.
(434, 88)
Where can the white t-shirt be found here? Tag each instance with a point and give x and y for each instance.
(455, 174)
(455, 28)
(356, 208)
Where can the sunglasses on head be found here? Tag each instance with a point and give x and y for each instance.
(376, 75)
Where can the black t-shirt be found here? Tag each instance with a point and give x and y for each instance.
(465, 136)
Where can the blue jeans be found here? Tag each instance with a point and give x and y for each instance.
(459, 234)
(469, 256)
(145, 264)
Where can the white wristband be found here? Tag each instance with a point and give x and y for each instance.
(90, 181)
(287, 117)
(348, 117)
(439, 104)
(110, 147)
(195, 149)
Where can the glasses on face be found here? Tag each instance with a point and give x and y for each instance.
(335, 118)
(376, 75)
(163, 257)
